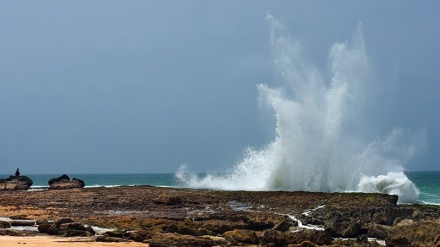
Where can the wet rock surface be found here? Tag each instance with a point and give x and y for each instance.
(185, 217)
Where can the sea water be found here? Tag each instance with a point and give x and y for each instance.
(40, 181)
(428, 182)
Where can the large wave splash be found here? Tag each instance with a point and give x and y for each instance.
(318, 144)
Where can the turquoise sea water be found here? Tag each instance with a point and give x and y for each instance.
(427, 182)
(108, 180)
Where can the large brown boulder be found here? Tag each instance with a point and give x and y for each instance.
(62, 178)
(66, 227)
(241, 236)
(44, 227)
(16, 183)
(63, 182)
(5, 224)
(22, 223)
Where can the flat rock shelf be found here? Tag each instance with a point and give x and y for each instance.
(160, 216)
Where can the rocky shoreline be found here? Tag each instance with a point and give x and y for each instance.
(159, 216)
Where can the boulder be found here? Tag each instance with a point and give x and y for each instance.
(61, 221)
(44, 227)
(265, 221)
(135, 237)
(351, 230)
(62, 178)
(63, 182)
(5, 224)
(40, 222)
(342, 226)
(53, 231)
(66, 227)
(23, 223)
(16, 183)
(378, 231)
(282, 226)
(185, 230)
(90, 230)
(73, 229)
(79, 181)
(65, 186)
(242, 236)
(72, 226)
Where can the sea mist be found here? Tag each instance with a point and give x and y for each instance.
(320, 142)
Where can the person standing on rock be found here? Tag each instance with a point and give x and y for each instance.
(17, 172)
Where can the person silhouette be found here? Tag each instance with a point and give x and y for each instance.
(17, 172)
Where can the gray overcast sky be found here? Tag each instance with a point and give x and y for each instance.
(145, 86)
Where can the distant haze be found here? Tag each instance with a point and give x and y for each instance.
(146, 86)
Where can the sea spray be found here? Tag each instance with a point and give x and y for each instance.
(319, 143)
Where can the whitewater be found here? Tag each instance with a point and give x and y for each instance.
(320, 142)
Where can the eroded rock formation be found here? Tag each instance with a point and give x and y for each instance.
(16, 183)
(63, 182)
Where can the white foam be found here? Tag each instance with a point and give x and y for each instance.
(100, 230)
(429, 203)
(393, 183)
(322, 140)
(307, 213)
(308, 226)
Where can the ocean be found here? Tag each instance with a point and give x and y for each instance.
(428, 182)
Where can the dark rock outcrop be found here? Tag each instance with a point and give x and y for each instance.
(63, 182)
(62, 178)
(16, 183)
(44, 227)
(66, 227)
(23, 223)
(134, 236)
(282, 226)
(241, 236)
(5, 224)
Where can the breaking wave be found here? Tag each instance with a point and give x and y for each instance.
(319, 142)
